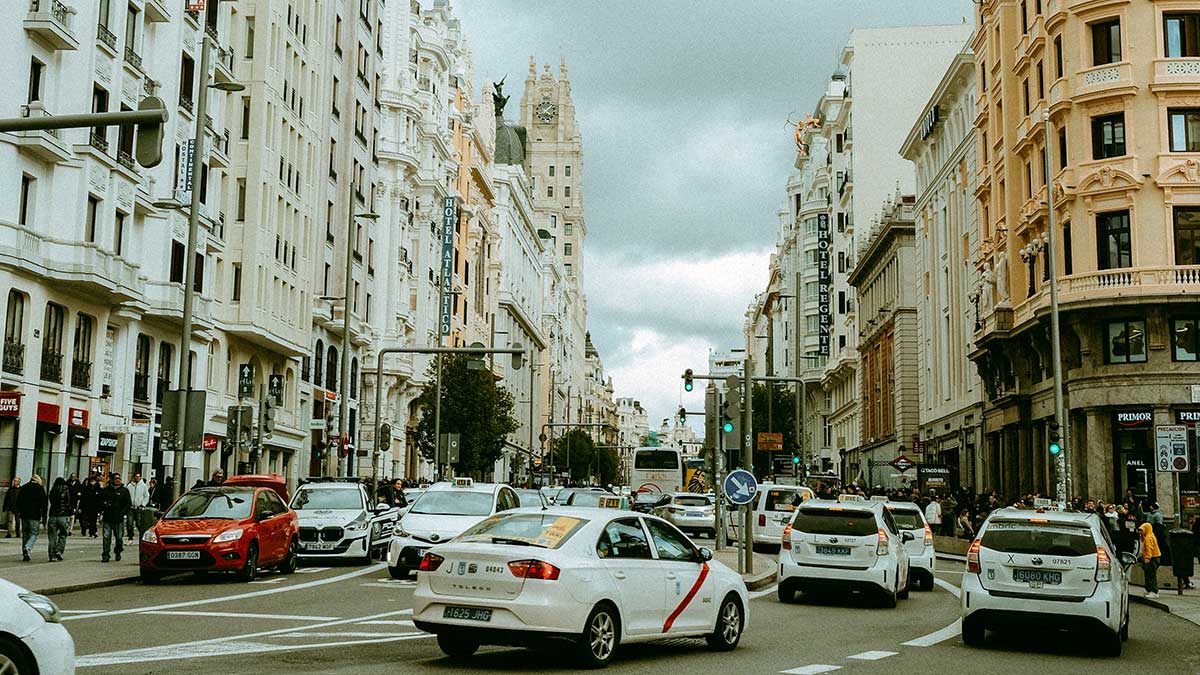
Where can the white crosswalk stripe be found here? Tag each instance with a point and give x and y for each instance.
(814, 669)
(874, 655)
(311, 570)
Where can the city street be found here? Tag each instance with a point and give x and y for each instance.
(348, 619)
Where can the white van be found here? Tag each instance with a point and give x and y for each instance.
(772, 509)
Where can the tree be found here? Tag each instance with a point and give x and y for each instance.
(474, 407)
(783, 420)
(575, 448)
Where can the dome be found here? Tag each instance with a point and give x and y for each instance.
(510, 143)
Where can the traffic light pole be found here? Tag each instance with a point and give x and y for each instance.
(1064, 456)
(748, 459)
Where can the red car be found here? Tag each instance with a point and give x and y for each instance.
(240, 526)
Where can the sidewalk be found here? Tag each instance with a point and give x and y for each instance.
(81, 568)
(766, 567)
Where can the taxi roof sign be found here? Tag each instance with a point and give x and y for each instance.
(850, 498)
(879, 498)
(463, 482)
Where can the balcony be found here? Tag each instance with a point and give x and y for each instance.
(165, 298)
(106, 37)
(1059, 94)
(1172, 74)
(71, 265)
(1136, 283)
(81, 374)
(50, 22)
(141, 387)
(219, 156)
(52, 367)
(157, 12)
(45, 144)
(224, 57)
(126, 160)
(14, 356)
(133, 59)
(1108, 80)
(185, 103)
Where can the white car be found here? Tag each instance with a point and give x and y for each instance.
(848, 544)
(440, 514)
(337, 520)
(688, 511)
(921, 559)
(772, 509)
(32, 639)
(591, 578)
(1036, 569)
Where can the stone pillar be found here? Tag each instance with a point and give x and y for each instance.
(1093, 457)
(1166, 483)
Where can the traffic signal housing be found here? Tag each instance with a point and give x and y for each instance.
(688, 380)
(1055, 437)
(267, 412)
(682, 415)
(149, 135)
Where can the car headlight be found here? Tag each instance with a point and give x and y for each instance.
(42, 605)
(228, 535)
(358, 524)
(150, 537)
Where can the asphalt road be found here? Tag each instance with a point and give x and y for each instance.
(353, 619)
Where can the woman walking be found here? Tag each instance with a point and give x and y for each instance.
(1150, 556)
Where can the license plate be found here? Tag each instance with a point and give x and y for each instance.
(183, 555)
(467, 613)
(320, 545)
(833, 550)
(1036, 578)
(694, 515)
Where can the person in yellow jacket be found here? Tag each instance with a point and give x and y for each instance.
(1150, 555)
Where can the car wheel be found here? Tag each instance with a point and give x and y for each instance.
(13, 659)
(289, 562)
(786, 592)
(398, 572)
(728, 632)
(1112, 644)
(927, 583)
(972, 632)
(457, 646)
(888, 599)
(250, 569)
(1125, 628)
(903, 593)
(601, 634)
(149, 578)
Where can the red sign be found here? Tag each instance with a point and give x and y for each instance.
(195, 5)
(902, 463)
(10, 404)
(331, 396)
(210, 442)
(77, 417)
(768, 441)
(48, 412)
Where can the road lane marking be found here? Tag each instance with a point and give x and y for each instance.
(173, 652)
(385, 623)
(268, 581)
(242, 615)
(874, 655)
(766, 591)
(310, 570)
(949, 587)
(373, 569)
(937, 636)
(345, 634)
(814, 669)
(376, 584)
(79, 611)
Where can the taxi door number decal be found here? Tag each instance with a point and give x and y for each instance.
(687, 599)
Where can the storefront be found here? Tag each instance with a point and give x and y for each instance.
(939, 477)
(1133, 453)
(77, 442)
(106, 453)
(10, 413)
(48, 430)
(1189, 481)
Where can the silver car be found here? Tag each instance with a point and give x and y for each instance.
(688, 511)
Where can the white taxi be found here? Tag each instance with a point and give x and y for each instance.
(690, 512)
(848, 544)
(440, 514)
(1052, 569)
(772, 509)
(922, 561)
(32, 637)
(337, 520)
(592, 578)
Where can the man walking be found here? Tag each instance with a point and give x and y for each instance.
(933, 514)
(59, 522)
(114, 506)
(139, 498)
(31, 507)
(12, 520)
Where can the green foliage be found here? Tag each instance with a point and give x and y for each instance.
(783, 420)
(586, 459)
(474, 407)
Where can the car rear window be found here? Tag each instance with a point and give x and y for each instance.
(526, 529)
(907, 520)
(1044, 540)
(830, 521)
(688, 500)
(781, 500)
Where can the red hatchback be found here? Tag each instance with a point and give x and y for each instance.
(239, 527)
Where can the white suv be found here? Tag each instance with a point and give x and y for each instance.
(1035, 568)
(337, 520)
(849, 544)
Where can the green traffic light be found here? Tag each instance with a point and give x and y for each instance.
(727, 427)
(688, 386)
(795, 460)
(1055, 448)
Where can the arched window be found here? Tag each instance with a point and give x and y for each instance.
(354, 377)
(331, 369)
(318, 360)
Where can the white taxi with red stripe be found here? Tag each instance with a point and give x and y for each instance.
(593, 578)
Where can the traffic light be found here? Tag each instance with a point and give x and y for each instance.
(1055, 436)
(688, 380)
(795, 459)
(267, 412)
(682, 415)
(149, 136)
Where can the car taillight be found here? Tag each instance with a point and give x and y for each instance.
(786, 542)
(882, 547)
(762, 520)
(928, 535)
(1103, 565)
(533, 569)
(973, 558)
(430, 562)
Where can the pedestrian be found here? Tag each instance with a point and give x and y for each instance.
(58, 523)
(964, 528)
(162, 494)
(11, 520)
(31, 507)
(114, 506)
(949, 507)
(139, 499)
(153, 485)
(933, 514)
(218, 477)
(73, 487)
(1150, 559)
(89, 506)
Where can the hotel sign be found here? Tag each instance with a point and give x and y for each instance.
(824, 285)
(446, 295)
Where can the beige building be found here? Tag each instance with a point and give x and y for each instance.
(1120, 83)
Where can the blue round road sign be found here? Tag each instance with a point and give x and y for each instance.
(740, 486)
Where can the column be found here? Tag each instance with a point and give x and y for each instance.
(1092, 456)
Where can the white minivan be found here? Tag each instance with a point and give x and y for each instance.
(772, 509)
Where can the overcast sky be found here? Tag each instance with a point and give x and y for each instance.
(683, 109)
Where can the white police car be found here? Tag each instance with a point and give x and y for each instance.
(1050, 569)
(921, 559)
(848, 544)
(440, 514)
(337, 520)
(590, 578)
(32, 637)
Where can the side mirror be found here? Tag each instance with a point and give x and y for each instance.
(1128, 559)
(705, 554)
(907, 537)
(381, 507)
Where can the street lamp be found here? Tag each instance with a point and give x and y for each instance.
(344, 393)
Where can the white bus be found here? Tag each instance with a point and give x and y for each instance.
(657, 470)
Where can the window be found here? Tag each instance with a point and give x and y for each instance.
(1112, 237)
(1068, 267)
(248, 49)
(841, 262)
(325, 282)
(567, 191)
(567, 171)
(567, 249)
(1108, 136)
(83, 338)
(1184, 129)
(1024, 16)
(119, 233)
(89, 226)
(1028, 180)
(245, 117)
(1058, 56)
(568, 229)
(1185, 339)
(569, 269)
(1182, 35)
(551, 170)
(1041, 81)
(1125, 341)
(25, 208)
(1106, 42)
(52, 329)
(1062, 147)
(550, 191)
(131, 24)
(670, 544)
(176, 262)
(241, 199)
(237, 282)
(36, 69)
(1025, 94)
(100, 105)
(623, 538)
(1187, 235)
(186, 72)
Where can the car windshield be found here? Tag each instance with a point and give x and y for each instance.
(586, 498)
(314, 498)
(530, 497)
(689, 500)
(1045, 540)
(831, 521)
(646, 497)
(781, 500)
(227, 504)
(543, 530)
(453, 502)
(656, 459)
(907, 520)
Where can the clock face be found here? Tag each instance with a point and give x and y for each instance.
(546, 111)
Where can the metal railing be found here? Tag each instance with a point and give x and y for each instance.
(81, 374)
(162, 386)
(126, 160)
(58, 11)
(106, 36)
(186, 103)
(14, 356)
(52, 366)
(98, 141)
(133, 58)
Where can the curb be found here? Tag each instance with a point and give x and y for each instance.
(1151, 602)
(762, 581)
(58, 590)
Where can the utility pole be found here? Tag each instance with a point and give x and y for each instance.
(445, 279)
(1064, 457)
(748, 458)
(801, 390)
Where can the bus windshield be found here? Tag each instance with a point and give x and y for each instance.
(656, 459)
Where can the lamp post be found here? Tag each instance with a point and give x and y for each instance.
(344, 389)
(189, 258)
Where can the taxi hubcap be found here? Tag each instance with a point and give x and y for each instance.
(602, 635)
(730, 618)
(7, 667)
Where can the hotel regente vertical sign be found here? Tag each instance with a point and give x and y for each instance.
(449, 217)
(824, 285)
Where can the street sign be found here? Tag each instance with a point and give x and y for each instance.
(740, 486)
(449, 220)
(770, 441)
(246, 380)
(275, 389)
(183, 190)
(1171, 444)
(902, 463)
